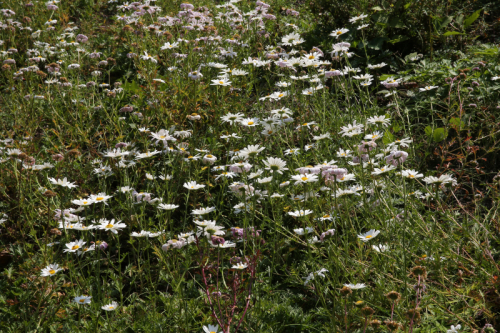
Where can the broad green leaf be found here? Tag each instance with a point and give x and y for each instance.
(388, 137)
(445, 22)
(451, 33)
(457, 122)
(395, 22)
(380, 17)
(468, 21)
(428, 130)
(377, 42)
(439, 134)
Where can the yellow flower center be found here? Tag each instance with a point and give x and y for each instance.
(304, 178)
(411, 176)
(82, 301)
(162, 136)
(85, 202)
(369, 236)
(111, 307)
(52, 271)
(209, 156)
(75, 247)
(99, 198)
(339, 32)
(311, 57)
(250, 123)
(280, 95)
(109, 226)
(221, 82)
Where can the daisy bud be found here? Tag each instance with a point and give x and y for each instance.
(49, 194)
(127, 108)
(359, 304)
(81, 38)
(57, 157)
(235, 260)
(102, 245)
(121, 145)
(74, 152)
(56, 231)
(488, 328)
(217, 240)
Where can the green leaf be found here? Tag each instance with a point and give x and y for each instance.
(439, 134)
(398, 39)
(395, 22)
(445, 22)
(428, 131)
(451, 33)
(380, 17)
(468, 21)
(384, 77)
(377, 42)
(457, 122)
(388, 137)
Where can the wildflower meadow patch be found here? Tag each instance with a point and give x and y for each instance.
(246, 166)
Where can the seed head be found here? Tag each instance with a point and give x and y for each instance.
(419, 271)
(367, 311)
(393, 326)
(375, 323)
(393, 296)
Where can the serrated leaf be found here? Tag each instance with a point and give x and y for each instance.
(457, 122)
(388, 137)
